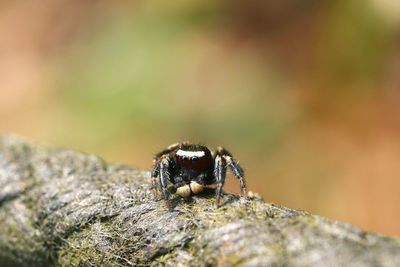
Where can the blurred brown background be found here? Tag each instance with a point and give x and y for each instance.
(305, 93)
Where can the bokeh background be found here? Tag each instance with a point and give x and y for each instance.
(304, 93)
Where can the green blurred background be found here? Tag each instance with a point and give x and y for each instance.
(304, 93)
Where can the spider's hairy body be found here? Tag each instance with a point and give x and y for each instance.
(191, 167)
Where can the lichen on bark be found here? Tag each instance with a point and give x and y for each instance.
(64, 208)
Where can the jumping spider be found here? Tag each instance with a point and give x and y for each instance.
(191, 168)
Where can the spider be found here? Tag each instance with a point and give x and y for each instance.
(191, 168)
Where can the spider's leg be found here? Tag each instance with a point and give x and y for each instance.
(234, 166)
(164, 177)
(155, 172)
(168, 150)
(219, 173)
(238, 172)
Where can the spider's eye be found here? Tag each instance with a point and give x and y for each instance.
(194, 158)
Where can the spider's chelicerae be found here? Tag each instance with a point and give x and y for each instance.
(191, 167)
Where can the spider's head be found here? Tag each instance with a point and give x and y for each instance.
(194, 157)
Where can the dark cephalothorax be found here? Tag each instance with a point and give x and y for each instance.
(191, 168)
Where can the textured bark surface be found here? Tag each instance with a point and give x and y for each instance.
(64, 208)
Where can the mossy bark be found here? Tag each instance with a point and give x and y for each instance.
(64, 208)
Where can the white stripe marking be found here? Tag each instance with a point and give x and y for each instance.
(190, 154)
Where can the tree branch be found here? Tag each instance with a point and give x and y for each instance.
(64, 208)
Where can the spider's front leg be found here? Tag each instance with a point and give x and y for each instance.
(164, 177)
(224, 159)
(238, 172)
(155, 172)
(219, 173)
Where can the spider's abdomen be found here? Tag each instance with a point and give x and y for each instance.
(199, 161)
